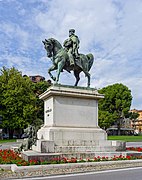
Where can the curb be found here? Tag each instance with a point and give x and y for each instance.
(15, 168)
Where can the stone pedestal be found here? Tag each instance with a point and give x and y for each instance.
(71, 122)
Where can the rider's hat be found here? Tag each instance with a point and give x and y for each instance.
(72, 30)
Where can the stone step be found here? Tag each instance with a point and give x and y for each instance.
(45, 146)
(33, 155)
(68, 149)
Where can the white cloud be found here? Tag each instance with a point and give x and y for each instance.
(109, 29)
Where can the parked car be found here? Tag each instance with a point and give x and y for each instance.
(14, 137)
(123, 131)
(136, 133)
(6, 136)
(24, 136)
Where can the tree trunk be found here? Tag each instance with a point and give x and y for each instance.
(119, 131)
(118, 127)
(11, 133)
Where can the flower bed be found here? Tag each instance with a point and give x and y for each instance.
(139, 149)
(11, 157)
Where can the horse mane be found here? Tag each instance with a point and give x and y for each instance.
(55, 42)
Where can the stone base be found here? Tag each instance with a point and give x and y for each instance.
(64, 136)
(32, 155)
(67, 140)
(98, 146)
(44, 146)
(75, 140)
(71, 122)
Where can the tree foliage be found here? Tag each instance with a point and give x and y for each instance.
(133, 115)
(115, 105)
(19, 102)
(38, 88)
(17, 99)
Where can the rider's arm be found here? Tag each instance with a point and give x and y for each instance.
(67, 43)
(75, 43)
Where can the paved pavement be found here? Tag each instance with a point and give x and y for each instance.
(8, 145)
(134, 144)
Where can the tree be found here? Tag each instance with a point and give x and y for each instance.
(38, 88)
(133, 116)
(115, 105)
(106, 119)
(17, 100)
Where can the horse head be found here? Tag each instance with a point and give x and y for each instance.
(52, 46)
(48, 45)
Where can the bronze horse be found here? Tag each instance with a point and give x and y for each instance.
(60, 59)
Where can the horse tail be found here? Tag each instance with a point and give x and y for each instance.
(90, 60)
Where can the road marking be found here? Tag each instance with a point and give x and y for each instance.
(79, 174)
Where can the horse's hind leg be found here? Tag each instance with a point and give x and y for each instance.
(88, 76)
(76, 74)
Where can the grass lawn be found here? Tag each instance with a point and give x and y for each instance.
(122, 138)
(7, 140)
(126, 138)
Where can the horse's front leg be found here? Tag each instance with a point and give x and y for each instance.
(52, 69)
(76, 74)
(60, 67)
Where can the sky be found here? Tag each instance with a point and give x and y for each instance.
(109, 29)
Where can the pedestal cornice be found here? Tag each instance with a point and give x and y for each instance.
(71, 91)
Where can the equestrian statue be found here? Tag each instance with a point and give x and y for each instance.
(67, 57)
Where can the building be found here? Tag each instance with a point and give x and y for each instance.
(36, 78)
(137, 124)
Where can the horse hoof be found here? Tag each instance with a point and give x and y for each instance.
(54, 78)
